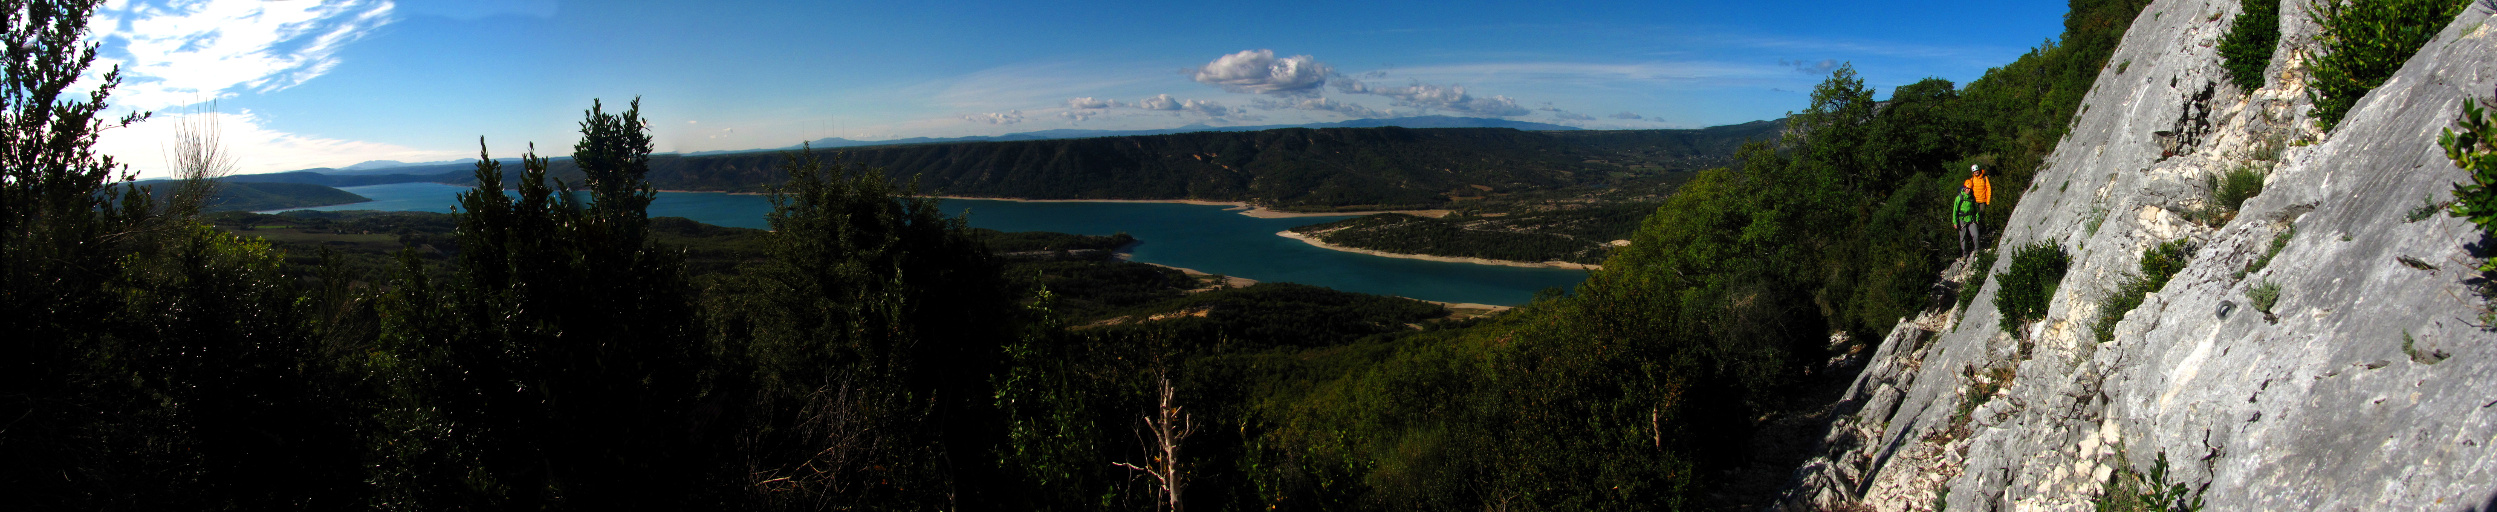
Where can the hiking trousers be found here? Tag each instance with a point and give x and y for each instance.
(1970, 235)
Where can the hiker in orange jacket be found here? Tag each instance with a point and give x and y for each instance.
(1966, 211)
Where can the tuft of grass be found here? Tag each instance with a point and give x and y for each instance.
(2121, 67)
(2265, 295)
(2024, 289)
(2428, 207)
(2279, 241)
(2158, 264)
(2252, 37)
(2410, 347)
(2226, 193)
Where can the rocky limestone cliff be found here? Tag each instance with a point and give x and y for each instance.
(2372, 385)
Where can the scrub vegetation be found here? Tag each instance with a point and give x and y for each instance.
(541, 351)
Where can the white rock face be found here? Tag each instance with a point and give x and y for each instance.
(2323, 409)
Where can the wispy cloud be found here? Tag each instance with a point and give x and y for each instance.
(1822, 67)
(1353, 110)
(184, 52)
(1580, 72)
(1434, 97)
(997, 118)
(1031, 84)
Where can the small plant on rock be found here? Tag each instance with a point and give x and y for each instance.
(2158, 263)
(2474, 149)
(2026, 287)
(2265, 296)
(2279, 241)
(2128, 491)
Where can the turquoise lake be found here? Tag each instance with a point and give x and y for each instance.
(1205, 238)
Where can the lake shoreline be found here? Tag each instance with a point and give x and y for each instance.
(1243, 207)
(1322, 244)
(1242, 282)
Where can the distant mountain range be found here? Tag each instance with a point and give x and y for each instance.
(397, 167)
(1331, 166)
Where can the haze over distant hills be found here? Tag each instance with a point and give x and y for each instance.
(397, 167)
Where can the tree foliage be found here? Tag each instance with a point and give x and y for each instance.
(2253, 36)
(2364, 43)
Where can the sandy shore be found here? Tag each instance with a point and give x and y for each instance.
(1487, 308)
(1234, 281)
(1478, 261)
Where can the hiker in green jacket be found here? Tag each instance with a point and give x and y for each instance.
(1964, 209)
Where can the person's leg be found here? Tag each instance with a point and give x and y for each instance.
(1976, 234)
(1959, 233)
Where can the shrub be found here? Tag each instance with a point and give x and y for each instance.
(2030, 282)
(2230, 190)
(2364, 43)
(2265, 296)
(2247, 49)
(2158, 264)
(2127, 490)
(2475, 151)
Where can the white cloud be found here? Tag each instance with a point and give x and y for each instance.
(1029, 85)
(1090, 103)
(1572, 116)
(1810, 68)
(997, 118)
(1075, 116)
(1433, 97)
(1627, 116)
(258, 148)
(186, 52)
(1259, 72)
(1167, 103)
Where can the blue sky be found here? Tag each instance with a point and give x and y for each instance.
(304, 84)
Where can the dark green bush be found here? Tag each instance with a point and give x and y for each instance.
(2364, 43)
(2247, 49)
(2030, 282)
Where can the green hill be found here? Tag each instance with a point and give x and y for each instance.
(254, 196)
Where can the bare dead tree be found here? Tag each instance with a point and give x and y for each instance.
(199, 158)
(1165, 428)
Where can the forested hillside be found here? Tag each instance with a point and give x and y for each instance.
(250, 196)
